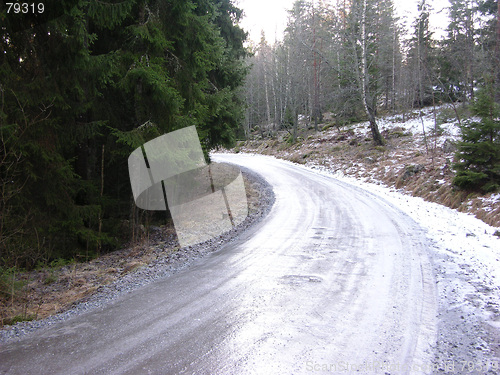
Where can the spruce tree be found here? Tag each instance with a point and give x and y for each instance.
(80, 89)
(478, 156)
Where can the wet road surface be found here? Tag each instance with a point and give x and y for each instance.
(334, 278)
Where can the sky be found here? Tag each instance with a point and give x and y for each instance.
(271, 16)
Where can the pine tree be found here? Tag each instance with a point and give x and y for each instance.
(489, 39)
(49, 83)
(478, 155)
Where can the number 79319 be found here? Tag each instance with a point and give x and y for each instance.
(25, 8)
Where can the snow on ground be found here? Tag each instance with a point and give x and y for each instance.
(464, 245)
(405, 149)
(467, 239)
(494, 199)
(460, 235)
(464, 251)
(465, 254)
(420, 120)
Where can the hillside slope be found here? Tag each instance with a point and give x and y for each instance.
(415, 160)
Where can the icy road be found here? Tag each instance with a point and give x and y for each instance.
(333, 280)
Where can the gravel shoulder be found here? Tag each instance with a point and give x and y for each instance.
(82, 287)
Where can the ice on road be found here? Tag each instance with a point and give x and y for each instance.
(334, 276)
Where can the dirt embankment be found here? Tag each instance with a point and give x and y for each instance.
(408, 162)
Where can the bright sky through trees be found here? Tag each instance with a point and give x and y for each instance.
(271, 15)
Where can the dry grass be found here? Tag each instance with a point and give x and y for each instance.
(47, 291)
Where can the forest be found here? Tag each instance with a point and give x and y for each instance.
(356, 61)
(85, 83)
(356, 58)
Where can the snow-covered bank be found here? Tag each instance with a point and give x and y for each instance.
(417, 157)
(414, 172)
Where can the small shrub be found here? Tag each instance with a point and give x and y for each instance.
(9, 286)
(478, 152)
(60, 262)
(327, 126)
(398, 134)
(297, 159)
(437, 131)
(283, 146)
(19, 318)
(448, 115)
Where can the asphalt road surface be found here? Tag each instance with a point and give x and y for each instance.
(333, 280)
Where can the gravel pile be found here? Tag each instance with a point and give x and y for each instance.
(166, 263)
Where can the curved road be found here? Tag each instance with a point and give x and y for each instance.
(334, 278)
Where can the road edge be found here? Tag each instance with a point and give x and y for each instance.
(160, 268)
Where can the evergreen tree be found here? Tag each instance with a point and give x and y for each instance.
(49, 83)
(478, 155)
(489, 39)
(80, 89)
(458, 65)
(421, 58)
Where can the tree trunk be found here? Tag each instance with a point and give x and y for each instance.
(420, 85)
(295, 124)
(393, 94)
(266, 88)
(470, 52)
(377, 137)
(497, 96)
(273, 87)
